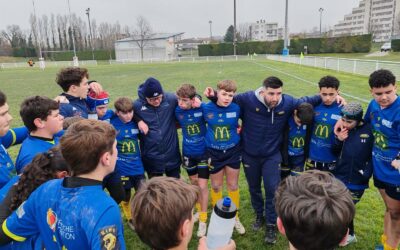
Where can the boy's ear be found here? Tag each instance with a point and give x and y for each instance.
(105, 159)
(279, 224)
(61, 174)
(39, 123)
(185, 229)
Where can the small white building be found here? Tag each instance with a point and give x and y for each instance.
(263, 31)
(160, 46)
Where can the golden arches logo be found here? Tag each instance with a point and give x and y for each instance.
(128, 147)
(380, 140)
(298, 142)
(221, 133)
(193, 129)
(322, 131)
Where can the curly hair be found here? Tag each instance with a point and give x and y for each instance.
(43, 167)
(71, 76)
(381, 78)
(329, 82)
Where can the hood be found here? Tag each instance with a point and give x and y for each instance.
(141, 93)
(261, 98)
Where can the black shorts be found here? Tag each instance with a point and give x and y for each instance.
(393, 191)
(218, 159)
(132, 181)
(196, 165)
(356, 195)
(323, 166)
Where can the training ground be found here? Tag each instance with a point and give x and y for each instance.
(123, 80)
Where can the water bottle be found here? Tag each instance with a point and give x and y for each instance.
(221, 224)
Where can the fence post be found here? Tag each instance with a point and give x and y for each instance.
(354, 66)
(222, 58)
(236, 58)
(377, 65)
(338, 65)
(207, 58)
(192, 59)
(315, 61)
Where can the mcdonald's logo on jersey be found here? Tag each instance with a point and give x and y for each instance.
(298, 142)
(193, 129)
(128, 146)
(221, 133)
(381, 140)
(322, 131)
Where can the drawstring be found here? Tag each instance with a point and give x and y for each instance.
(272, 117)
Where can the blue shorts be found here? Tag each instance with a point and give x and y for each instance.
(393, 191)
(218, 159)
(196, 165)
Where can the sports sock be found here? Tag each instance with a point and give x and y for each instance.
(203, 217)
(197, 207)
(215, 196)
(235, 197)
(126, 210)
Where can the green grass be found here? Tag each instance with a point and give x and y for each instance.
(123, 80)
(391, 56)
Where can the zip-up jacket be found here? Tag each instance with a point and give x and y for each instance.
(354, 164)
(160, 147)
(76, 107)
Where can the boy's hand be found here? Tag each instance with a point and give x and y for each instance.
(196, 103)
(203, 245)
(340, 100)
(340, 132)
(96, 87)
(143, 127)
(209, 92)
(396, 164)
(61, 99)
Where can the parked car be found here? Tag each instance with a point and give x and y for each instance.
(386, 47)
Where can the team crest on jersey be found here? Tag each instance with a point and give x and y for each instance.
(364, 136)
(281, 112)
(317, 113)
(180, 117)
(257, 109)
(335, 117)
(108, 237)
(51, 219)
(210, 115)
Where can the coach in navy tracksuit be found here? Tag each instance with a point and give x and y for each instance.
(265, 113)
(160, 146)
(353, 146)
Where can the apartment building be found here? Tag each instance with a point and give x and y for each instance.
(263, 31)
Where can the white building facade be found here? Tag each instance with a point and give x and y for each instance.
(161, 46)
(263, 31)
(379, 17)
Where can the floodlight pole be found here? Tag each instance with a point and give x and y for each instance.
(320, 20)
(90, 32)
(210, 22)
(38, 38)
(286, 26)
(234, 28)
(75, 59)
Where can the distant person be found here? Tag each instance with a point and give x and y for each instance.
(31, 63)
(41, 115)
(161, 196)
(314, 211)
(384, 115)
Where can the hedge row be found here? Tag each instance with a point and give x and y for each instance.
(82, 55)
(349, 44)
(396, 45)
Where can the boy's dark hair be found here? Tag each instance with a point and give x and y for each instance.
(71, 76)
(96, 137)
(381, 78)
(329, 82)
(159, 209)
(36, 107)
(3, 99)
(272, 82)
(123, 104)
(186, 90)
(305, 112)
(315, 209)
(43, 167)
(227, 85)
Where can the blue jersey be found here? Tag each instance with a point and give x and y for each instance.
(4, 190)
(67, 218)
(222, 125)
(107, 116)
(129, 162)
(386, 130)
(13, 136)
(297, 136)
(193, 130)
(323, 138)
(30, 148)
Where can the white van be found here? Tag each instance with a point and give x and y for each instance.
(386, 47)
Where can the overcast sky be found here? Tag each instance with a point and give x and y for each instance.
(189, 16)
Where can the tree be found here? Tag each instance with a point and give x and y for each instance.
(244, 32)
(142, 34)
(229, 35)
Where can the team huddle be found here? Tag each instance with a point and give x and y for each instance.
(313, 155)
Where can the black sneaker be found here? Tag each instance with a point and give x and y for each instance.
(270, 234)
(258, 223)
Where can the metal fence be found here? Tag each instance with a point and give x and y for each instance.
(355, 66)
(47, 63)
(183, 59)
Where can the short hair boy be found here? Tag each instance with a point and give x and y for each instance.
(57, 210)
(194, 157)
(314, 210)
(129, 171)
(326, 115)
(8, 137)
(296, 139)
(42, 117)
(384, 115)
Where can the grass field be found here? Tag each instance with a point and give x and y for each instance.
(123, 80)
